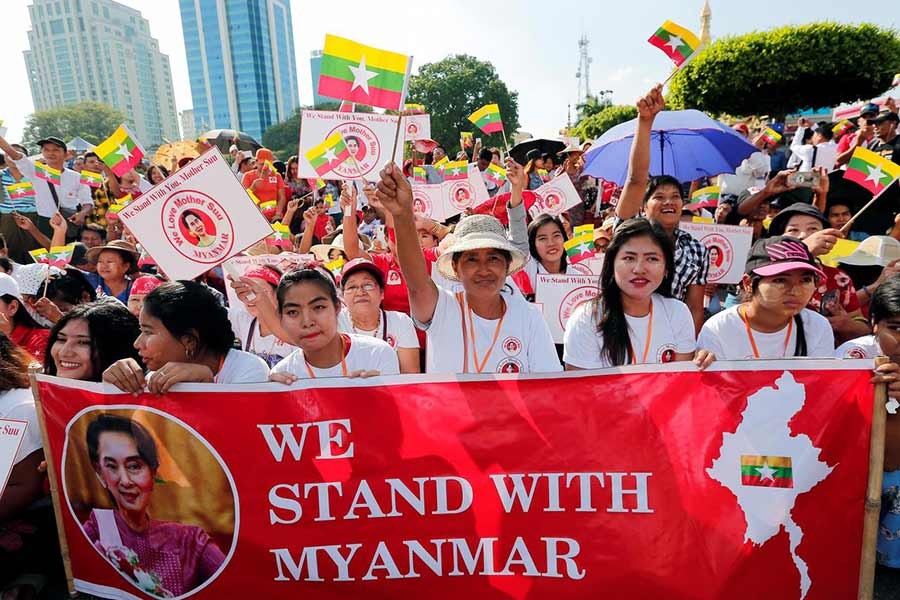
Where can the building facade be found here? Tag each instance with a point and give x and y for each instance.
(101, 50)
(241, 63)
(189, 129)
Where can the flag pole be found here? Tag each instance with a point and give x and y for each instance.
(683, 65)
(401, 111)
(51, 475)
(873, 490)
(868, 204)
(505, 143)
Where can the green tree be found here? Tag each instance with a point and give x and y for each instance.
(596, 125)
(593, 104)
(787, 69)
(455, 87)
(283, 138)
(93, 121)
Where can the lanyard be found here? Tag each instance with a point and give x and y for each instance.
(343, 360)
(478, 367)
(646, 343)
(383, 318)
(219, 370)
(787, 338)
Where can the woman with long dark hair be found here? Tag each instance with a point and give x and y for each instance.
(547, 253)
(17, 323)
(634, 320)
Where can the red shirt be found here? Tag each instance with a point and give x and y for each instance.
(396, 294)
(267, 188)
(324, 226)
(32, 339)
(838, 282)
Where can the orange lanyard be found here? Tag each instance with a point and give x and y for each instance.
(787, 338)
(478, 367)
(646, 343)
(343, 361)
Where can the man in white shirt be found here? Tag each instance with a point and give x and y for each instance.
(71, 197)
(821, 151)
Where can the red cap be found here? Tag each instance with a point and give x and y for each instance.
(267, 274)
(145, 285)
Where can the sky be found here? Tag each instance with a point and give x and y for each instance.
(532, 44)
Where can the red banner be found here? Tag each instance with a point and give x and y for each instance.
(746, 481)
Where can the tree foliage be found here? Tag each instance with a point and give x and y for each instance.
(92, 121)
(454, 88)
(788, 69)
(597, 124)
(593, 104)
(283, 138)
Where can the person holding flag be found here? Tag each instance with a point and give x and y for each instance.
(662, 203)
(634, 319)
(266, 183)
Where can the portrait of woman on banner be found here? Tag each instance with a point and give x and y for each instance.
(196, 228)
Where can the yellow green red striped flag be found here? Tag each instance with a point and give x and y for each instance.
(677, 42)
(362, 74)
(487, 118)
(329, 154)
(121, 151)
(871, 170)
(767, 471)
(47, 173)
(92, 179)
(771, 136)
(281, 237)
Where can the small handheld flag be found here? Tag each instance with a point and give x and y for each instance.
(495, 174)
(92, 179)
(441, 164)
(467, 139)
(47, 173)
(677, 42)
(336, 265)
(61, 255)
(841, 128)
(121, 151)
(487, 119)
(871, 170)
(580, 247)
(418, 174)
(416, 109)
(23, 189)
(281, 238)
(329, 154)
(40, 255)
(707, 197)
(770, 136)
(456, 170)
(356, 73)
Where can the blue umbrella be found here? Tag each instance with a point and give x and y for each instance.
(685, 144)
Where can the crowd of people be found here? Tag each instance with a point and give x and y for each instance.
(406, 286)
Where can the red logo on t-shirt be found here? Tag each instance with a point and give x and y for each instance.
(856, 352)
(391, 340)
(393, 278)
(512, 346)
(509, 365)
(666, 354)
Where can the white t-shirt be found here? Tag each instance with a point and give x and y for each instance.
(70, 192)
(524, 344)
(725, 335)
(267, 347)
(365, 354)
(18, 404)
(242, 367)
(673, 333)
(399, 333)
(866, 346)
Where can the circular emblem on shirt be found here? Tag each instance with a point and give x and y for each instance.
(421, 203)
(509, 365)
(393, 278)
(364, 148)
(571, 301)
(391, 340)
(666, 354)
(512, 346)
(721, 255)
(856, 352)
(461, 194)
(197, 226)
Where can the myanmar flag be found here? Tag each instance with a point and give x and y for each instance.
(40, 255)
(362, 74)
(328, 155)
(441, 164)
(336, 265)
(580, 247)
(842, 128)
(487, 118)
(707, 197)
(416, 109)
(677, 42)
(121, 151)
(418, 174)
(466, 138)
(495, 174)
(281, 238)
(23, 189)
(766, 471)
(61, 255)
(871, 170)
(47, 173)
(456, 170)
(92, 179)
(771, 136)
(584, 230)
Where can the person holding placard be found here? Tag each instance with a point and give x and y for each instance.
(547, 254)
(252, 332)
(634, 320)
(486, 327)
(309, 306)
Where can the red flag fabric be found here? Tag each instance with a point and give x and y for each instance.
(487, 487)
(496, 206)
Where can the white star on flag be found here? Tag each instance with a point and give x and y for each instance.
(766, 472)
(330, 155)
(361, 76)
(61, 255)
(675, 43)
(584, 248)
(454, 171)
(702, 198)
(124, 152)
(875, 174)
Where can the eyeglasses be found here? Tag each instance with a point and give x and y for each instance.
(366, 287)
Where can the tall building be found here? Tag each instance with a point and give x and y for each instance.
(315, 69)
(101, 50)
(188, 128)
(705, 19)
(241, 63)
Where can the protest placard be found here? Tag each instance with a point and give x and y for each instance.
(12, 432)
(728, 247)
(451, 197)
(554, 197)
(368, 136)
(487, 487)
(196, 218)
(560, 295)
(417, 127)
(283, 262)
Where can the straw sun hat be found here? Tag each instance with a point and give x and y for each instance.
(476, 232)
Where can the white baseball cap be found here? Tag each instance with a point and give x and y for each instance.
(9, 286)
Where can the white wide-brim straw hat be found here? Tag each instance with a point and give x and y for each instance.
(875, 250)
(337, 243)
(476, 232)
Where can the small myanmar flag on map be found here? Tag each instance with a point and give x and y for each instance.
(677, 42)
(495, 174)
(92, 179)
(329, 154)
(23, 189)
(580, 247)
(456, 170)
(356, 73)
(418, 174)
(766, 471)
(871, 170)
(771, 136)
(41, 255)
(121, 151)
(707, 197)
(487, 118)
(47, 173)
(61, 255)
(281, 237)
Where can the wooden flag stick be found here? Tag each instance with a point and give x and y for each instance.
(51, 474)
(868, 204)
(505, 143)
(683, 65)
(873, 490)
(46, 281)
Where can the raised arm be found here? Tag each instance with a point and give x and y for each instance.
(11, 152)
(395, 195)
(639, 162)
(310, 216)
(349, 197)
(518, 229)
